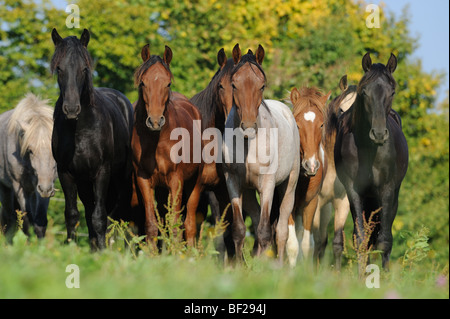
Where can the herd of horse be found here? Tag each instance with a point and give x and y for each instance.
(117, 157)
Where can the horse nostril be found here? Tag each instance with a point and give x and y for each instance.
(162, 120)
(148, 122)
(242, 126)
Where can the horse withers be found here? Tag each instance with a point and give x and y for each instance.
(27, 167)
(371, 154)
(90, 142)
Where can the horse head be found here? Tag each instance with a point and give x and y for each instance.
(248, 82)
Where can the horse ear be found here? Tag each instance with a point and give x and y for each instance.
(85, 37)
(260, 54)
(325, 98)
(145, 52)
(343, 83)
(366, 62)
(295, 95)
(167, 55)
(56, 37)
(221, 58)
(392, 63)
(236, 53)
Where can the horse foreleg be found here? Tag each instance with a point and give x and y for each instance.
(307, 219)
(384, 241)
(321, 220)
(251, 207)
(176, 186)
(8, 216)
(71, 214)
(292, 246)
(264, 230)
(238, 227)
(287, 193)
(190, 223)
(148, 197)
(99, 215)
(341, 209)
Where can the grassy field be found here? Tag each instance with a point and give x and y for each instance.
(38, 269)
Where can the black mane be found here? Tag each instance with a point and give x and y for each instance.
(206, 101)
(146, 65)
(250, 58)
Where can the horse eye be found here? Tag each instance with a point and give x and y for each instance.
(169, 84)
(220, 86)
(233, 86)
(263, 87)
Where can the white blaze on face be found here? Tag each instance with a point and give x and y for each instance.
(310, 116)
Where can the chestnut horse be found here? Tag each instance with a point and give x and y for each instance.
(308, 107)
(332, 192)
(371, 155)
(159, 113)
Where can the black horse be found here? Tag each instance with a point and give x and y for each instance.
(371, 154)
(91, 141)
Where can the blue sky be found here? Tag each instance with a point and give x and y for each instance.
(429, 20)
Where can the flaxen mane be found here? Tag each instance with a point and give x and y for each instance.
(32, 121)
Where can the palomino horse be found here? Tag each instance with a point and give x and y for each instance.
(27, 167)
(332, 192)
(159, 113)
(90, 141)
(265, 156)
(308, 108)
(371, 154)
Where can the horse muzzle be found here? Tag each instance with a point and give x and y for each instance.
(71, 112)
(379, 137)
(155, 124)
(46, 192)
(248, 129)
(311, 166)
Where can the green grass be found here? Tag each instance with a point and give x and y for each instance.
(37, 269)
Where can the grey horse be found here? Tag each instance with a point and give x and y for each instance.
(27, 166)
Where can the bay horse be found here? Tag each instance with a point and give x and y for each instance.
(371, 154)
(332, 192)
(90, 141)
(309, 113)
(265, 156)
(214, 104)
(27, 167)
(158, 113)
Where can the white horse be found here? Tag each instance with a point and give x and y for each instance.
(265, 155)
(27, 167)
